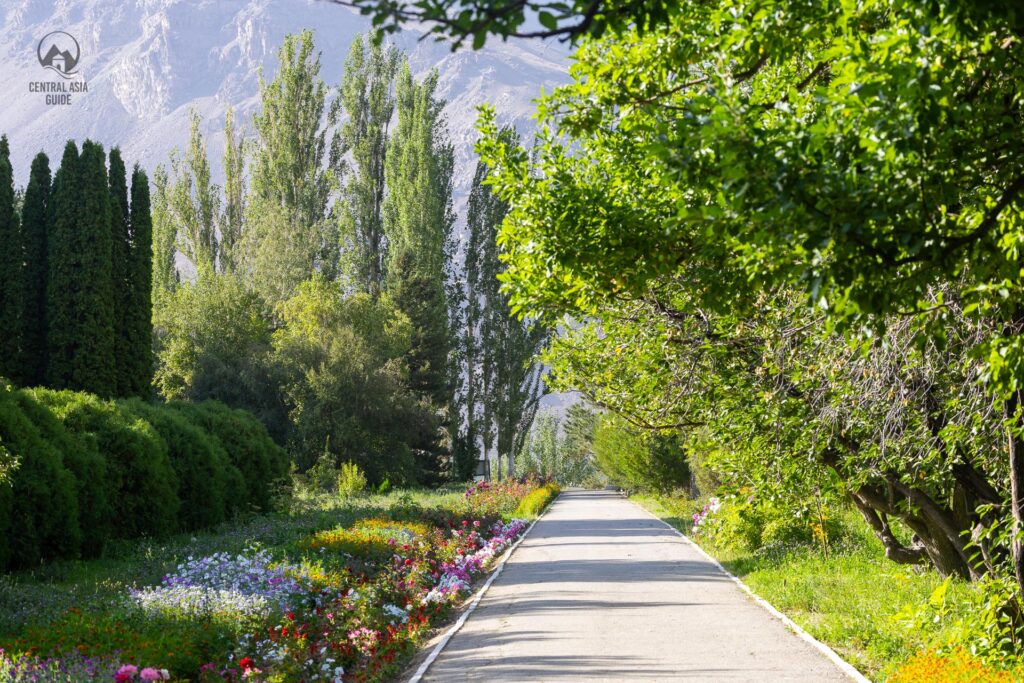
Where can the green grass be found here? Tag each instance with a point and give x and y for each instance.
(849, 599)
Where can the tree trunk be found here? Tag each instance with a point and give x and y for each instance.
(1015, 450)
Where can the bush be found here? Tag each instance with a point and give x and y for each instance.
(535, 502)
(85, 463)
(637, 461)
(40, 513)
(751, 525)
(141, 480)
(248, 445)
(208, 482)
(351, 480)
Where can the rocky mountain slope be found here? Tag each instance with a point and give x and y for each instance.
(148, 62)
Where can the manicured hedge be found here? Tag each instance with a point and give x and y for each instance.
(205, 476)
(90, 470)
(246, 441)
(41, 511)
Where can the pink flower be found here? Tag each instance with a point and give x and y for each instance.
(150, 674)
(126, 673)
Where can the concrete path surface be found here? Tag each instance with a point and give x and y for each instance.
(601, 591)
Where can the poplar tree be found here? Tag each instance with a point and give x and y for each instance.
(81, 291)
(121, 247)
(503, 378)
(139, 321)
(234, 195)
(418, 223)
(193, 203)
(164, 237)
(34, 220)
(11, 264)
(367, 98)
(291, 236)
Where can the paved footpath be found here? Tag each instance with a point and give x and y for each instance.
(601, 591)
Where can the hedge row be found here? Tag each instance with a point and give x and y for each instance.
(91, 470)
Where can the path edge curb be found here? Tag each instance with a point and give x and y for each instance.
(439, 648)
(821, 647)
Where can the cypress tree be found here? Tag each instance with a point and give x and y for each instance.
(81, 338)
(34, 225)
(64, 266)
(11, 264)
(139, 327)
(95, 366)
(121, 247)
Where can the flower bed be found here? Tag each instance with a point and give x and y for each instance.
(339, 604)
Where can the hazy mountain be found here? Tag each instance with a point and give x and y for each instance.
(147, 62)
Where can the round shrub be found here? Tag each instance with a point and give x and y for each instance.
(205, 480)
(246, 441)
(142, 483)
(87, 466)
(42, 514)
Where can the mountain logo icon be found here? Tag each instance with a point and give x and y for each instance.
(59, 51)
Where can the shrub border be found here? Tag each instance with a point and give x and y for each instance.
(821, 647)
(422, 670)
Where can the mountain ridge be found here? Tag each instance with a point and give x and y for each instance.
(149, 62)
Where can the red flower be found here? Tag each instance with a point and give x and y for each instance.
(291, 616)
(246, 663)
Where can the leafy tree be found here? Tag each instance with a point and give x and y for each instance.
(579, 428)
(34, 223)
(138, 328)
(346, 382)
(165, 275)
(418, 221)
(697, 174)
(289, 230)
(232, 219)
(540, 453)
(11, 272)
(562, 450)
(367, 99)
(193, 204)
(503, 382)
(462, 20)
(637, 460)
(212, 341)
(120, 264)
